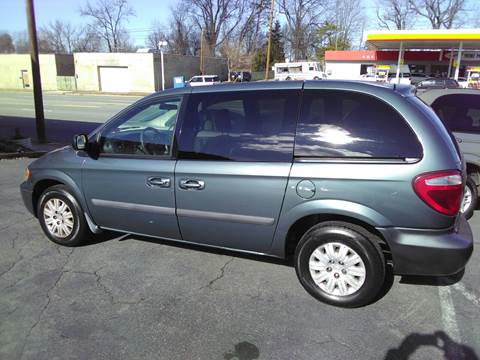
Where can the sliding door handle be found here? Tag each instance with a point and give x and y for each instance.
(158, 182)
(188, 184)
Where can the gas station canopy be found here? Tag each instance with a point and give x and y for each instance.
(450, 39)
(423, 39)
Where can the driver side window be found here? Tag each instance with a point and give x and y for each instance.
(145, 130)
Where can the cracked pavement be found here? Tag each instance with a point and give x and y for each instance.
(128, 297)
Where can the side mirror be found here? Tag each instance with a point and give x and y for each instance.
(80, 142)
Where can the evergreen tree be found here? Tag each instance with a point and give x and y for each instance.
(329, 37)
(277, 53)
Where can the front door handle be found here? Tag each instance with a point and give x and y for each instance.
(158, 182)
(192, 184)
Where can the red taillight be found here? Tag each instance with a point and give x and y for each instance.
(441, 190)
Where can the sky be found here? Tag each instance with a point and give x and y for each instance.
(13, 18)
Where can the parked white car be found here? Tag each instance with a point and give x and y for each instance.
(459, 109)
(201, 80)
(463, 82)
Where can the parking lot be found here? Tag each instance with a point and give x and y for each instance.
(128, 297)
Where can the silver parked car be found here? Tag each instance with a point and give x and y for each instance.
(346, 178)
(459, 109)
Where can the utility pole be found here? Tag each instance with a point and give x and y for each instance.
(269, 46)
(201, 53)
(37, 86)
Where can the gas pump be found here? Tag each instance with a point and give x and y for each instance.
(381, 73)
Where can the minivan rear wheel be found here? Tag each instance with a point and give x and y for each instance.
(61, 217)
(340, 264)
(470, 197)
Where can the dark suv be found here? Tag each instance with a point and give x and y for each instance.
(346, 178)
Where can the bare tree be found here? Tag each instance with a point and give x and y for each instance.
(349, 19)
(217, 19)
(395, 14)
(251, 30)
(241, 46)
(178, 36)
(59, 35)
(302, 17)
(87, 40)
(440, 13)
(181, 31)
(108, 18)
(157, 34)
(20, 41)
(6, 43)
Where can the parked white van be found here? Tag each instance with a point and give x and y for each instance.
(404, 75)
(301, 70)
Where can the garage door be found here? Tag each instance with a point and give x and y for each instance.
(114, 78)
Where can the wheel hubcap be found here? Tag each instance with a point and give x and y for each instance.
(337, 269)
(467, 199)
(58, 218)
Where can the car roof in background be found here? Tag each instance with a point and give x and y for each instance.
(437, 78)
(430, 96)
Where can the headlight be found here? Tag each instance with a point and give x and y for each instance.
(26, 174)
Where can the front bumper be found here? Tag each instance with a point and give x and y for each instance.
(430, 252)
(27, 196)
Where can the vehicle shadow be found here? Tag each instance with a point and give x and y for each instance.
(433, 280)
(439, 339)
(102, 237)
(57, 131)
(208, 249)
(289, 262)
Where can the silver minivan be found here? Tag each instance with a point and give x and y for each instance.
(347, 179)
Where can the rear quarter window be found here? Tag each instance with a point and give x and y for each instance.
(352, 125)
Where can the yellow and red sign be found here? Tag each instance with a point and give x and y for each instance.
(424, 36)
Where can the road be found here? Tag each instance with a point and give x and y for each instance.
(88, 108)
(128, 297)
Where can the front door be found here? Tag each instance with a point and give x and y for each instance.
(235, 152)
(130, 186)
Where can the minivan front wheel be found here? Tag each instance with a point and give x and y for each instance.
(340, 264)
(61, 217)
(470, 195)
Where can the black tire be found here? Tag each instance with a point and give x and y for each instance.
(288, 78)
(472, 187)
(356, 238)
(80, 232)
(316, 78)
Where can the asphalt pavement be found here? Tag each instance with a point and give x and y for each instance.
(65, 106)
(128, 297)
(65, 114)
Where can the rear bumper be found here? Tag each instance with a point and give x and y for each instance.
(430, 252)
